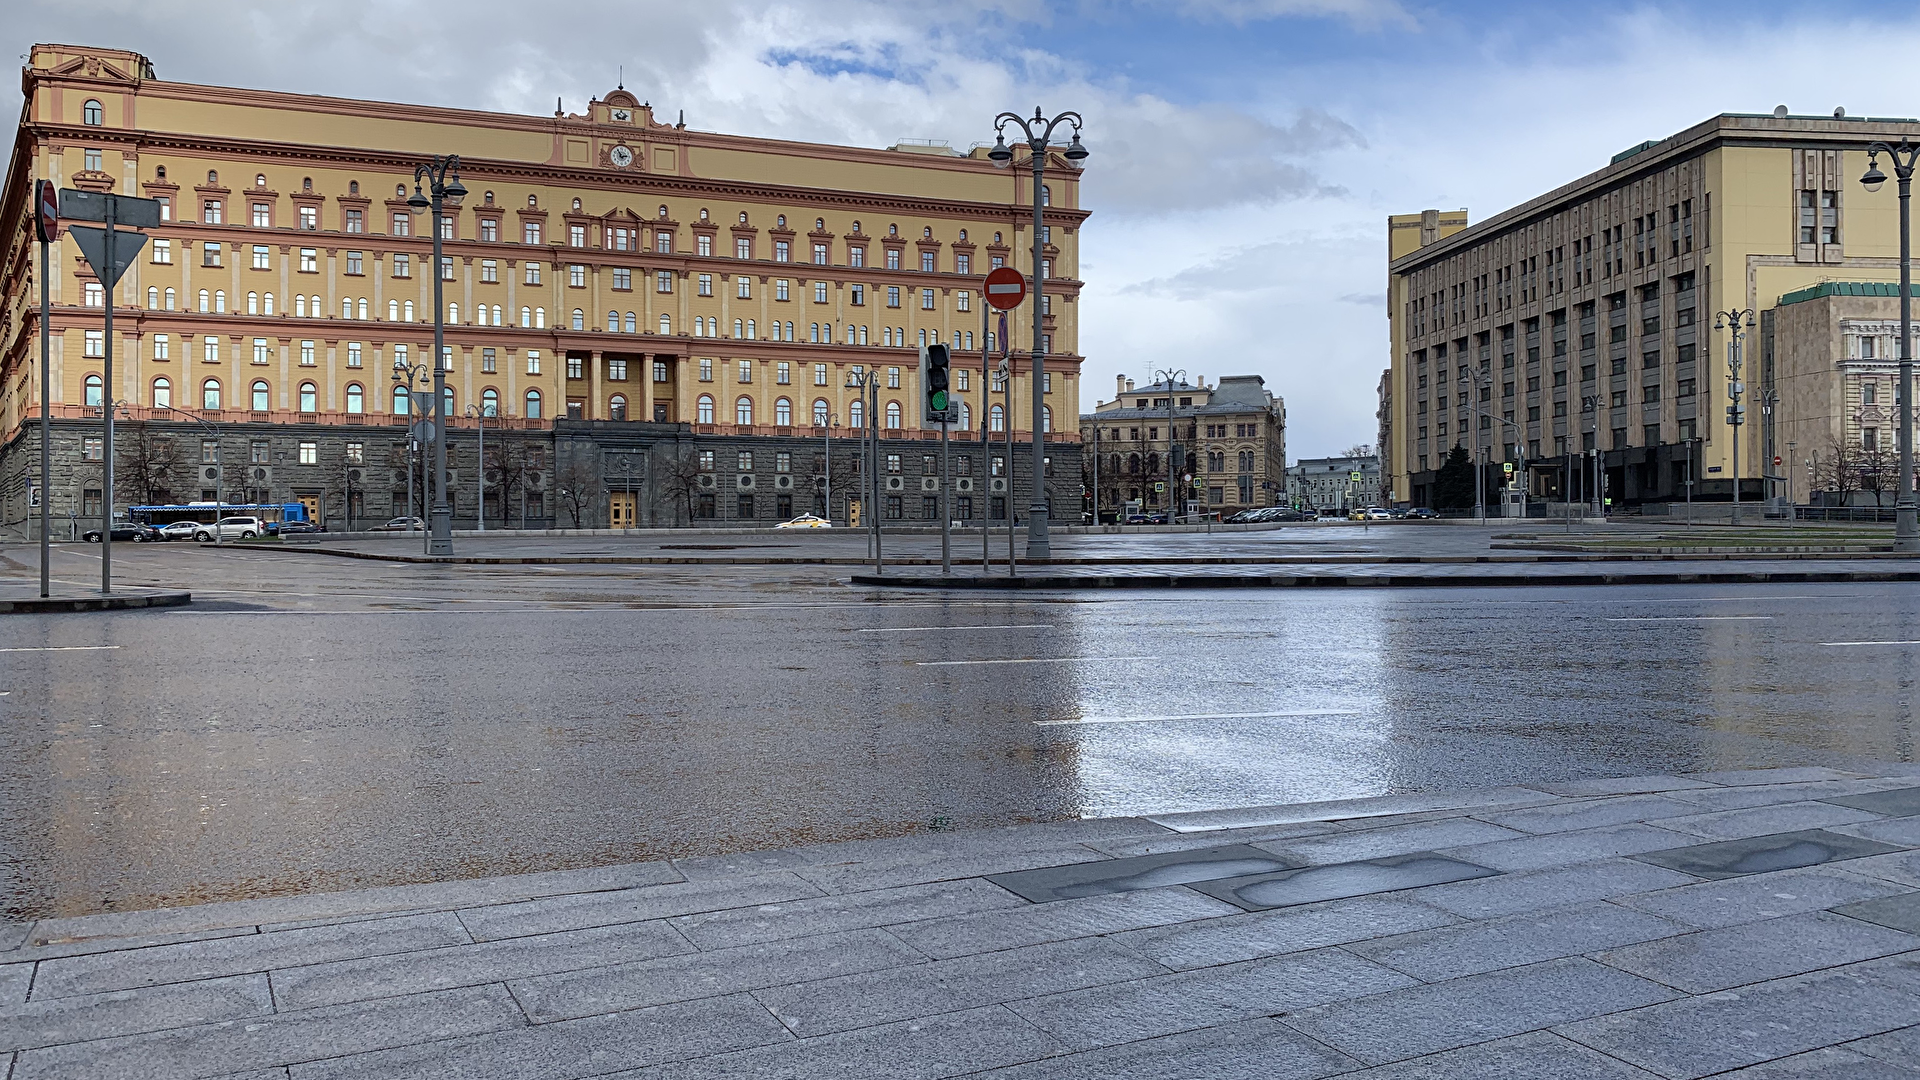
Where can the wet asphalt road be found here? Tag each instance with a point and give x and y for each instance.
(314, 723)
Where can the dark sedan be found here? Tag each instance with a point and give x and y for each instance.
(124, 531)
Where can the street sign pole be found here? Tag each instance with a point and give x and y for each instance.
(946, 507)
(46, 220)
(106, 411)
(1004, 289)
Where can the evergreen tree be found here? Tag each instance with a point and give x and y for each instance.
(1453, 485)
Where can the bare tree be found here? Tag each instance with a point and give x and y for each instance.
(1839, 470)
(1879, 471)
(680, 482)
(507, 462)
(1360, 450)
(576, 485)
(147, 462)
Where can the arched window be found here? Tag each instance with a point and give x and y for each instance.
(93, 295)
(703, 409)
(446, 402)
(346, 307)
(356, 399)
(750, 334)
(453, 313)
(1046, 195)
(490, 402)
(663, 213)
(353, 187)
(169, 299)
(162, 393)
(856, 414)
(966, 417)
(886, 336)
(153, 297)
(262, 398)
(212, 178)
(1133, 463)
(533, 404)
(1246, 461)
(393, 311)
(820, 412)
(1046, 418)
(540, 318)
(1153, 464)
(219, 301)
(406, 311)
(253, 303)
(783, 412)
(743, 411)
(299, 305)
(617, 407)
(92, 114)
(96, 393)
(813, 332)
(997, 418)
(260, 180)
(362, 307)
(790, 336)
(205, 306)
(613, 322)
(400, 401)
(632, 323)
(739, 329)
(526, 316)
(267, 304)
(210, 394)
(579, 319)
(666, 324)
(893, 414)
(309, 397)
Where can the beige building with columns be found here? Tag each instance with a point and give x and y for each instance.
(607, 266)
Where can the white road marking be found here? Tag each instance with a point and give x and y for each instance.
(1195, 716)
(1692, 618)
(1843, 643)
(63, 648)
(1031, 660)
(923, 629)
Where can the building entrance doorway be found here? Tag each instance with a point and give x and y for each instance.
(620, 510)
(312, 503)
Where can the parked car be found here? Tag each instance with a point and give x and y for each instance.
(177, 530)
(123, 531)
(806, 521)
(1245, 516)
(1422, 513)
(402, 524)
(1378, 513)
(288, 527)
(231, 528)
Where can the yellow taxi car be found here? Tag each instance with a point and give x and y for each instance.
(806, 521)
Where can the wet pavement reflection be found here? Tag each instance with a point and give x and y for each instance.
(310, 727)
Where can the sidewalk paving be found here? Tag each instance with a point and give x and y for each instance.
(1404, 573)
(20, 596)
(1758, 923)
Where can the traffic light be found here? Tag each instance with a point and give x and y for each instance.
(1736, 415)
(934, 360)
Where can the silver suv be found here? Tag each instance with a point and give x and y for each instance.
(232, 528)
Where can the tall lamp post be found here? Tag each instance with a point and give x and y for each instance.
(1037, 131)
(1736, 322)
(480, 414)
(442, 176)
(1168, 375)
(405, 375)
(867, 381)
(1906, 527)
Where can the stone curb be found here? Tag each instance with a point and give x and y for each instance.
(1375, 581)
(119, 602)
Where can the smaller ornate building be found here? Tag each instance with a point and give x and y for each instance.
(1223, 447)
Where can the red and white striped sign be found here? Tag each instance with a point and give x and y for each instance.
(1006, 287)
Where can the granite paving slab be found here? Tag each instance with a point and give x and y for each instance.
(1480, 1008)
(1904, 831)
(1699, 1036)
(1619, 785)
(1058, 921)
(1189, 841)
(1735, 798)
(1560, 886)
(1374, 843)
(129, 1012)
(1900, 911)
(1755, 777)
(846, 911)
(1538, 1055)
(1589, 813)
(1765, 854)
(1343, 809)
(1259, 1049)
(582, 910)
(1561, 848)
(1208, 942)
(1732, 901)
(1719, 959)
(1080, 880)
(1897, 866)
(1828, 1064)
(14, 980)
(1901, 1045)
(1763, 820)
(1895, 802)
(1452, 952)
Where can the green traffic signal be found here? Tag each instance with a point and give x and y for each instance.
(938, 401)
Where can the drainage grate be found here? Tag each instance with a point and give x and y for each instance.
(1762, 854)
(1901, 802)
(1139, 872)
(1336, 881)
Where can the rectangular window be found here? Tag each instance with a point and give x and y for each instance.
(402, 223)
(307, 354)
(577, 236)
(660, 371)
(261, 352)
(705, 285)
(355, 264)
(259, 452)
(663, 243)
(356, 221)
(309, 261)
(856, 256)
(576, 367)
(490, 230)
(163, 251)
(783, 373)
(742, 248)
(489, 271)
(622, 279)
(309, 453)
(927, 262)
(210, 211)
(744, 287)
(893, 296)
(160, 346)
(533, 361)
(965, 300)
(782, 251)
(963, 264)
(402, 266)
(353, 354)
(356, 453)
(819, 292)
(857, 296)
(533, 273)
(820, 254)
(926, 299)
(262, 215)
(310, 218)
(893, 463)
(746, 371)
(94, 446)
(489, 360)
(530, 232)
(96, 342)
(617, 370)
(166, 207)
(210, 254)
(893, 378)
(780, 289)
(210, 350)
(706, 369)
(446, 268)
(262, 257)
(744, 460)
(576, 275)
(893, 258)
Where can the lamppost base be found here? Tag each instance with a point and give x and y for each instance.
(440, 531)
(1906, 529)
(1038, 545)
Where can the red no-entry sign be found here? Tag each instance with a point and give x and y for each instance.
(1006, 287)
(47, 213)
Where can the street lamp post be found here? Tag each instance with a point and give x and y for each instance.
(1038, 131)
(405, 375)
(1906, 528)
(867, 381)
(442, 176)
(1737, 321)
(1168, 375)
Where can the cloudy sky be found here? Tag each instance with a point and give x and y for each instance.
(1246, 153)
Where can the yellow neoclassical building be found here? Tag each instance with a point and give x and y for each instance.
(1575, 334)
(608, 275)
